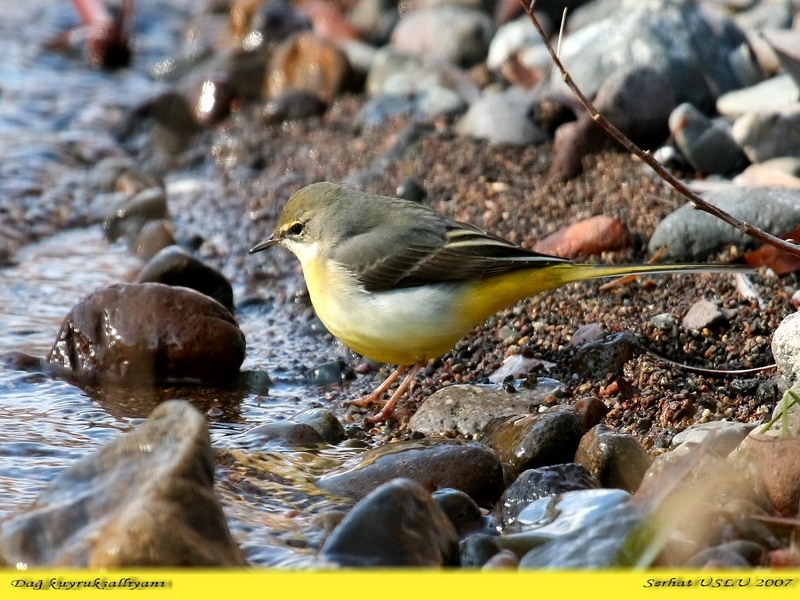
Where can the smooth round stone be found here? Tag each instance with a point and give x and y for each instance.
(139, 332)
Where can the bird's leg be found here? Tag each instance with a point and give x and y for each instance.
(375, 396)
(387, 409)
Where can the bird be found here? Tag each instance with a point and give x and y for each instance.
(399, 283)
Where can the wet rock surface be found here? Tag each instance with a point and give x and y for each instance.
(432, 463)
(175, 266)
(148, 332)
(538, 440)
(418, 534)
(145, 500)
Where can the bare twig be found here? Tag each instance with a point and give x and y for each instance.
(695, 200)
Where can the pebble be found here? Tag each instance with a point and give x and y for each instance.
(538, 440)
(761, 16)
(591, 332)
(707, 144)
(768, 96)
(293, 105)
(637, 100)
(770, 173)
(785, 42)
(511, 39)
(154, 237)
(723, 437)
(333, 371)
(688, 234)
(305, 61)
(327, 20)
(607, 355)
(175, 266)
(786, 348)
(502, 118)
(274, 21)
(127, 216)
(148, 495)
(374, 19)
(389, 64)
(772, 461)
(589, 237)
(463, 512)
(433, 463)
(763, 136)
(616, 459)
(676, 38)
(138, 332)
(533, 484)
(476, 550)
(456, 34)
(467, 409)
(282, 434)
(396, 525)
(161, 128)
(578, 529)
(703, 314)
(324, 423)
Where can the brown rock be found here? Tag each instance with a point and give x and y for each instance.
(538, 440)
(397, 525)
(175, 266)
(148, 332)
(774, 460)
(307, 62)
(616, 459)
(589, 237)
(328, 21)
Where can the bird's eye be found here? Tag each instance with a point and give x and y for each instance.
(297, 228)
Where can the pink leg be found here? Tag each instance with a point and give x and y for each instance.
(375, 396)
(386, 412)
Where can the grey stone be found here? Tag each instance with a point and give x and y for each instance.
(688, 234)
(144, 500)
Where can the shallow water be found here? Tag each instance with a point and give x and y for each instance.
(46, 111)
(47, 424)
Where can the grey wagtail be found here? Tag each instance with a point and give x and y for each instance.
(400, 283)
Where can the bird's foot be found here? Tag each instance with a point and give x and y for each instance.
(368, 400)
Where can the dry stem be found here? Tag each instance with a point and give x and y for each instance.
(696, 201)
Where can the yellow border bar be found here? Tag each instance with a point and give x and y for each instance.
(400, 584)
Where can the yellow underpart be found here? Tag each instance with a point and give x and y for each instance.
(411, 325)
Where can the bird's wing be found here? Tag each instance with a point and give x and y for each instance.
(471, 253)
(433, 249)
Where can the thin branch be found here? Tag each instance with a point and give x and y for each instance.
(696, 201)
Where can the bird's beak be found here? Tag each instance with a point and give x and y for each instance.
(272, 240)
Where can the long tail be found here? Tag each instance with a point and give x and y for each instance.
(571, 272)
(489, 295)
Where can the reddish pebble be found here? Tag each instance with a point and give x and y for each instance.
(588, 237)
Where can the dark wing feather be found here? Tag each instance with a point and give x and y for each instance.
(383, 256)
(471, 253)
